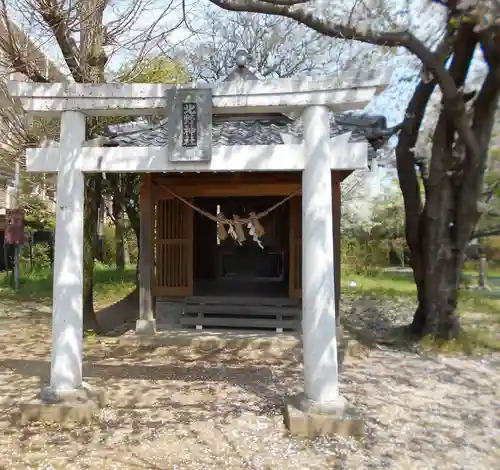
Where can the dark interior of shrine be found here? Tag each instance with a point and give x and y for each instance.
(228, 268)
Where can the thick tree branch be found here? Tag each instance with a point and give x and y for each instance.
(405, 158)
(474, 166)
(400, 38)
(323, 26)
(287, 3)
(490, 44)
(55, 17)
(407, 172)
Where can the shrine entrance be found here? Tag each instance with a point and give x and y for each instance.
(203, 242)
(229, 267)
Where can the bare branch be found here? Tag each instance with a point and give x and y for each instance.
(21, 54)
(288, 3)
(278, 47)
(488, 232)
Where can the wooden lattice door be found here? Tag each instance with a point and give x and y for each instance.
(295, 246)
(173, 248)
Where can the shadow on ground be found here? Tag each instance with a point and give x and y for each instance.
(220, 407)
(114, 318)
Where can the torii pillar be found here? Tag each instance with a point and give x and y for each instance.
(320, 409)
(67, 397)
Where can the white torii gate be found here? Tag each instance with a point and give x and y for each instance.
(316, 156)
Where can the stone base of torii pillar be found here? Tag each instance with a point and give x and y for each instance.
(66, 408)
(304, 419)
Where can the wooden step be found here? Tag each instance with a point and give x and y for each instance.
(255, 310)
(242, 323)
(242, 312)
(260, 301)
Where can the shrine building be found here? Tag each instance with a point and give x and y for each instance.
(211, 273)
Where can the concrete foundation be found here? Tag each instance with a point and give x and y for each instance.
(310, 422)
(75, 406)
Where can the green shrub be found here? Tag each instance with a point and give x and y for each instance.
(40, 256)
(109, 258)
(492, 248)
(362, 256)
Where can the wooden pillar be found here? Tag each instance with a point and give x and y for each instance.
(146, 322)
(336, 209)
(295, 247)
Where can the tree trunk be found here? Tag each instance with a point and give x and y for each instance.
(415, 221)
(119, 218)
(483, 272)
(131, 191)
(438, 232)
(126, 253)
(92, 62)
(99, 255)
(437, 291)
(92, 203)
(120, 242)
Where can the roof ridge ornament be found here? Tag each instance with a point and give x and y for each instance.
(243, 58)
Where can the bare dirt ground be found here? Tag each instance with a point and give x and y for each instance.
(219, 408)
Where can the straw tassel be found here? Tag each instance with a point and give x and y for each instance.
(238, 227)
(233, 233)
(257, 226)
(221, 229)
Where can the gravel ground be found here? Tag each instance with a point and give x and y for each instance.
(219, 408)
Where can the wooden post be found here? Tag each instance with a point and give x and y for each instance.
(336, 209)
(483, 272)
(295, 244)
(146, 322)
(17, 246)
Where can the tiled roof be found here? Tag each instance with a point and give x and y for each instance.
(272, 130)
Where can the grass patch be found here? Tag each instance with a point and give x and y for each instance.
(380, 285)
(109, 285)
(472, 342)
(479, 312)
(471, 268)
(401, 285)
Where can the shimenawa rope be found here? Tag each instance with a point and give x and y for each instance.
(255, 228)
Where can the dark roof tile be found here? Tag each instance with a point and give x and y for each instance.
(244, 131)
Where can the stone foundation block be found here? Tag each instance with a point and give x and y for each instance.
(310, 422)
(145, 327)
(74, 406)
